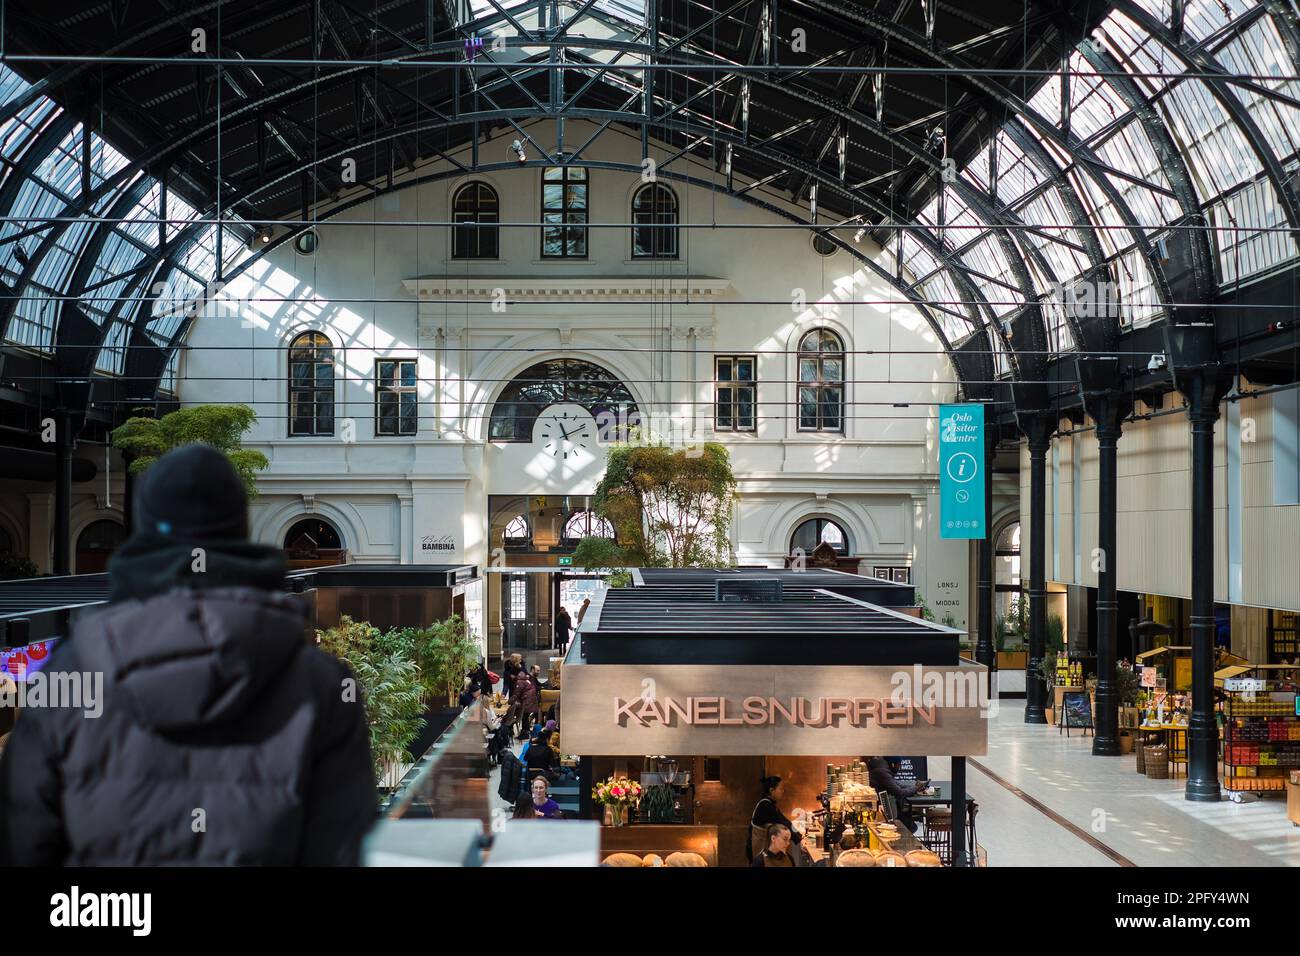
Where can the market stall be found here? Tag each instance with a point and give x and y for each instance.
(1261, 726)
(785, 680)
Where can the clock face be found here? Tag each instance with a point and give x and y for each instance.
(566, 433)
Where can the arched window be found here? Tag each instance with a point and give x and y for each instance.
(311, 385)
(516, 533)
(654, 223)
(539, 386)
(821, 382)
(817, 531)
(476, 211)
(585, 524)
(312, 535)
(564, 212)
(96, 543)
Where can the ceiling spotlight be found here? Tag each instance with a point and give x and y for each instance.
(261, 237)
(1157, 362)
(518, 147)
(857, 236)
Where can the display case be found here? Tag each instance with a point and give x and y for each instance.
(1261, 727)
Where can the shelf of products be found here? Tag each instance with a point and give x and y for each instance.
(1261, 730)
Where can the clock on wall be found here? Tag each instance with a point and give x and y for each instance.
(566, 433)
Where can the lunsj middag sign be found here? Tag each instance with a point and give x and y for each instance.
(961, 471)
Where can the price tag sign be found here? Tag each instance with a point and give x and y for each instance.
(1243, 684)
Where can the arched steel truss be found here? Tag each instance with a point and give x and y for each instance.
(1067, 164)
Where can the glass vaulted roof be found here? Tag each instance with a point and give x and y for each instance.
(82, 225)
(1075, 182)
(1118, 176)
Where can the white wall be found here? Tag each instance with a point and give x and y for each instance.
(387, 495)
(1154, 525)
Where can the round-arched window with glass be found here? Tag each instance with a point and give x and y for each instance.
(476, 210)
(818, 531)
(586, 524)
(558, 381)
(821, 382)
(516, 533)
(654, 223)
(311, 385)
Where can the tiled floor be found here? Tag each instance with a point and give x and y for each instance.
(1146, 821)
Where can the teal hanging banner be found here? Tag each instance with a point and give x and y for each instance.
(961, 471)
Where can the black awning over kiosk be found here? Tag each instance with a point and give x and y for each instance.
(693, 617)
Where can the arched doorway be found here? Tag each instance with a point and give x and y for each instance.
(313, 543)
(821, 543)
(96, 544)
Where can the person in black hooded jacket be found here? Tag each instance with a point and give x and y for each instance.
(223, 738)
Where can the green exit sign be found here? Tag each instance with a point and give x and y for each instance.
(565, 562)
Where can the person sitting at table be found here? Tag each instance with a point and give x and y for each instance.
(777, 850)
(541, 758)
(882, 779)
(470, 694)
(543, 806)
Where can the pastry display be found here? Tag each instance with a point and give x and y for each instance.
(652, 859)
(685, 859)
(923, 858)
(856, 858)
(621, 859)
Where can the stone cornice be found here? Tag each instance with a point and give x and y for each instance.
(541, 288)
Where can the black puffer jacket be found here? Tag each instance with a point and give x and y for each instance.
(223, 739)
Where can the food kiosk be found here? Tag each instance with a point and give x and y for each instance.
(755, 674)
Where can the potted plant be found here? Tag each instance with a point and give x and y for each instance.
(1129, 688)
(388, 682)
(445, 654)
(1054, 639)
(617, 794)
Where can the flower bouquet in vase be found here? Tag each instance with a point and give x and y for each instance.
(617, 794)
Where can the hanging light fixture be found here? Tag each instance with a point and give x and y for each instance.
(843, 147)
(812, 201)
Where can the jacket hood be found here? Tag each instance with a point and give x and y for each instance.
(190, 658)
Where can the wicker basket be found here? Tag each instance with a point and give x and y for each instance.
(1140, 749)
(1157, 761)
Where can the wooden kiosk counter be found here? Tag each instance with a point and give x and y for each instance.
(735, 675)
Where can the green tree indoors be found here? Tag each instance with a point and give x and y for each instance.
(669, 507)
(221, 426)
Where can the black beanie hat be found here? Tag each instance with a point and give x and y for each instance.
(192, 492)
